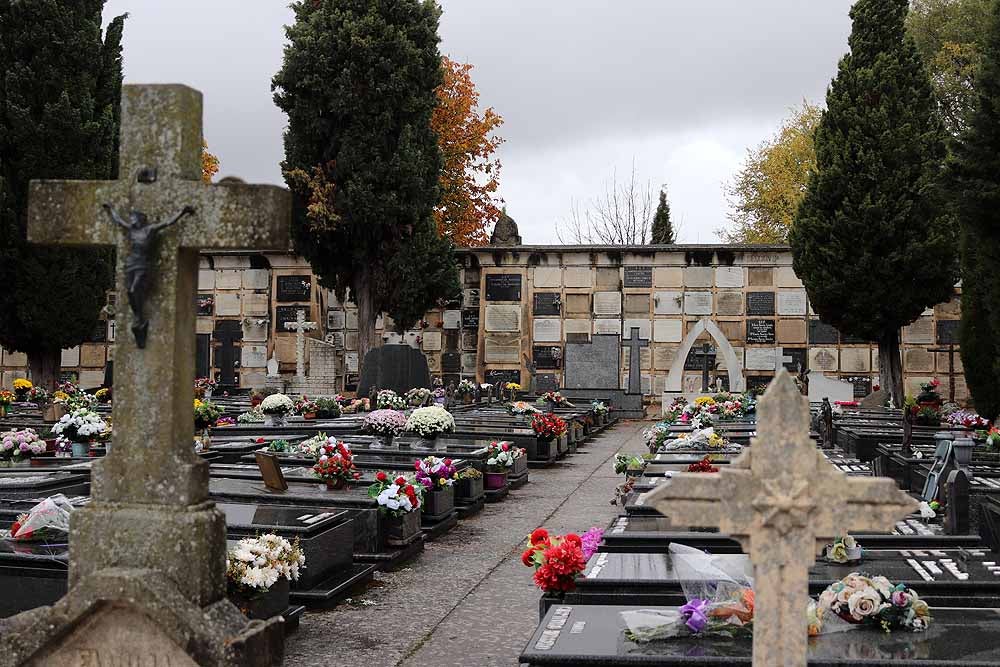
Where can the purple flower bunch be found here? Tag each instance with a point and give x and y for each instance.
(433, 472)
(695, 614)
(384, 422)
(21, 444)
(590, 541)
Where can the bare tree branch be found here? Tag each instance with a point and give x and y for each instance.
(621, 215)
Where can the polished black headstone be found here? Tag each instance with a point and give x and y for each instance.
(503, 287)
(638, 276)
(760, 303)
(545, 382)
(760, 332)
(547, 357)
(227, 333)
(799, 359)
(396, 367)
(470, 319)
(947, 332)
(202, 356)
(294, 288)
(547, 303)
(495, 375)
(284, 314)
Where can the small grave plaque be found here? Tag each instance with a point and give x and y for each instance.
(757, 384)
(495, 375)
(503, 318)
(862, 386)
(470, 298)
(760, 303)
(547, 330)
(294, 288)
(503, 349)
(792, 302)
(545, 382)
(760, 332)
(335, 320)
(607, 303)
(696, 358)
(503, 287)
(947, 332)
(451, 362)
(452, 319)
(547, 356)
(638, 276)
(609, 327)
(283, 315)
(205, 304)
(822, 333)
(470, 340)
(547, 303)
(698, 303)
(794, 359)
(761, 358)
(270, 471)
(470, 319)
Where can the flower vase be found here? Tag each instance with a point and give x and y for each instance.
(336, 484)
(439, 501)
(309, 416)
(263, 606)
(425, 442)
(468, 489)
(208, 394)
(274, 420)
(403, 529)
(495, 479)
(467, 399)
(3, 410)
(206, 439)
(382, 441)
(81, 450)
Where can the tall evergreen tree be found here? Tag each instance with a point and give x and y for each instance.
(663, 228)
(870, 241)
(974, 183)
(59, 119)
(358, 84)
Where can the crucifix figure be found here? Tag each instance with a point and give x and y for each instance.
(152, 480)
(141, 239)
(300, 327)
(634, 346)
(782, 500)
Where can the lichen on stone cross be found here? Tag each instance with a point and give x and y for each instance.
(300, 327)
(782, 500)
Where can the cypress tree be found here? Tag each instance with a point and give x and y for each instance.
(870, 241)
(973, 178)
(663, 228)
(59, 119)
(358, 84)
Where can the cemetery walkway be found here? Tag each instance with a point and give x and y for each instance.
(468, 601)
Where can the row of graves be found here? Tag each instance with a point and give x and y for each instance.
(773, 532)
(328, 490)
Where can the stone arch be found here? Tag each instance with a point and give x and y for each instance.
(675, 380)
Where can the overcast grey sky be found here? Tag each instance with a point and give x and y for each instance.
(682, 87)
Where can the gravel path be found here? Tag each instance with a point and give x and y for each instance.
(467, 601)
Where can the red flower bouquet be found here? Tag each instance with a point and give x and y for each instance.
(705, 465)
(557, 560)
(548, 426)
(335, 465)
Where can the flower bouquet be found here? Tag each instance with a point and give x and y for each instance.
(521, 408)
(430, 422)
(844, 550)
(48, 521)
(862, 600)
(80, 427)
(600, 411)
(966, 419)
(251, 416)
(279, 446)
(335, 465)
(259, 571)
(103, 395)
(204, 387)
(275, 408)
(993, 438)
(305, 408)
(703, 440)
(503, 455)
(399, 499)
(548, 427)
(205, 414)
(623, 463)
(6, 398)
(21, 388)
(437, 476)
(466, 389)
(705, 465)
(556, 559)
(20, 445)
(387, 399)
(311, 448)
(327, 408)
(385, 424)
(418, 397)
(553, 399)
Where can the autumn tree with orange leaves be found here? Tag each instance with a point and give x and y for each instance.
(470, 175)
(209, 164)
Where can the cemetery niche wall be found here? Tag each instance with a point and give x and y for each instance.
(529, 303)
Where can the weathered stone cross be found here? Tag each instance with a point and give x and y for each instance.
(151, 525)
(634, 345)
(783, 501)
(300, 327)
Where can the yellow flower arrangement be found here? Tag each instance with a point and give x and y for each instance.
(716, 440)
(22, 384)
(60, 396)
(702, 401)
(197, 404)
(513, 385)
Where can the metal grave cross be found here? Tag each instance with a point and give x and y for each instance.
(782, 500)
(300, 327)
(634, 345)
(159, 183)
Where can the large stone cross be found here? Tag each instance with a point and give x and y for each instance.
(783, 501)
(151, 509)
(300, 327)
(634, 344)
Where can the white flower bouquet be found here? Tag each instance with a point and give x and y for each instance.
(81, 425)
(387, 399)
(252, 416)
(277, 404)
(521, 408)
(256, 563)
(430, 422)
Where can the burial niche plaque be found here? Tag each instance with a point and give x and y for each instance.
(284, 315)
(470, 319)
(638, 276)
(503, 287)
(495, 375)
(294, 288)
(547, 303)
(760, 332)
(947, 332)
(822, 333)
(760, 303)
(548, 357)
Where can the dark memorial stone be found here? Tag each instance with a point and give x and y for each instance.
(696, 358)
(638, 276)
(547, 356)
(396, 367)
(593, 365)
(495, 375)
(546, 382)
(822, 333)
(451, 362)
(470, 319)
(757, 384)
(203, 356)
(226, 334)
(799, 359)
(547, 303)
(947, 332)
(852, 340)
(283, 314)
(862, 386)
(503, 287)
(294, 288)
(760, 303)
(760, 332)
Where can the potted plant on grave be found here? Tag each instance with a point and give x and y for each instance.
(437, 476)
(327, 408)
(522, 410)
(387, 399)
(306, 409)
(600, 411)
(419, 397)
(468, 485)
(630, 466)
(335, 465)
(429, 423)
(206, 414)
(251, 416)
(547, 428)
(279, 446)
(21, 388)
(466, 389)
(20, 446)
(276, 408)
(557, 560)
(104, 395)
(80, 427)
(259, 572)
(844, 550)
(399, 501)
(6, 398)
(514, 460)
(929, 396)
(384, 425)
(204, 387)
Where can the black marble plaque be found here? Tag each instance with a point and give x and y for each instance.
(470, 319)
(760, 303)
(284, 314)
(638, 276)
(547, 356)
(546, 382)
(862, 385)
(696, 358)
(451, 362)
(947, 332)
(847, 339)
(294, 288)
(799, 359)
(760, 332)
(822, 333)
(547, 303)
(205, 303)
(495, 375)
(503, 287)
(757, 384)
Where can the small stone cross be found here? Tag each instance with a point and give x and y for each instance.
(782, 500)
(634, 345)
(300, 327)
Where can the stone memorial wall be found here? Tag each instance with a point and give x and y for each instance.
(526, 305)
